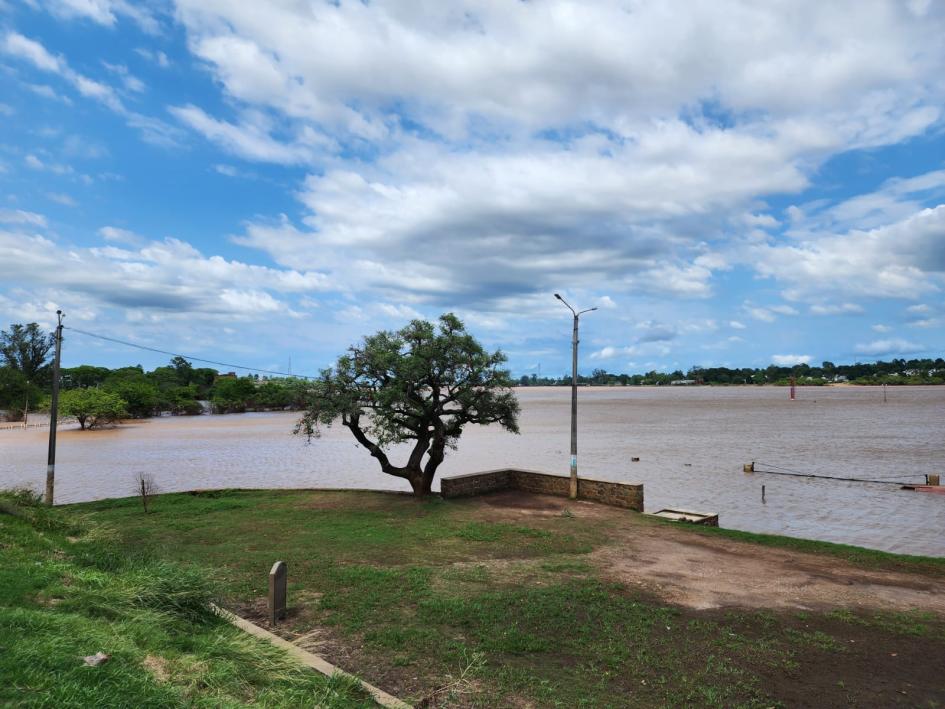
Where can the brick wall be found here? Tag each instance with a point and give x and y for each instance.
(626, 495)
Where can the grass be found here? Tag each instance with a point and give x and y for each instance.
(429, 599)
(69, 589)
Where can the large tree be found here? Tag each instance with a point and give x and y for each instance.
(421, 384)
(26, 348)
(92, 408)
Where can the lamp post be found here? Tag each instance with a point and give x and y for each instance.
(574, 359)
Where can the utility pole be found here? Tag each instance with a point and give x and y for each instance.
(574, 360)
(53, 415)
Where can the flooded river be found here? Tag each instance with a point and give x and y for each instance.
(692, 443)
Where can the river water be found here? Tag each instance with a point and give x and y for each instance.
(691, 441)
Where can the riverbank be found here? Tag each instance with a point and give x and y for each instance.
(692, 444)
(512, 600)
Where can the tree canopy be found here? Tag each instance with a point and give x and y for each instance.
(25, 348)
(92, 407)
(421, 384)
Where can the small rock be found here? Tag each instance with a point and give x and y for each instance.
(99, 658)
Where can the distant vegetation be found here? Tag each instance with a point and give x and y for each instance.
(896, 371)
(99, 395)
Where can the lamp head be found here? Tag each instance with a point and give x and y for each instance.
(557, 296)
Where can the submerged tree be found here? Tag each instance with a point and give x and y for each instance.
(423, 384)
(92, 408)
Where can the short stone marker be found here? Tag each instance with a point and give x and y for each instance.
(277, 586)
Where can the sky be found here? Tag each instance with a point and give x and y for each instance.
(730, 183)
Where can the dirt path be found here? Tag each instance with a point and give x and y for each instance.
(703, 573)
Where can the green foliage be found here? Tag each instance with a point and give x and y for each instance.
(26, 348)
(151, 616)
(142, 399)
(92, 407)
(84, 376)
(16, 392)
(894, 372)
(231, 395)
(420, 384)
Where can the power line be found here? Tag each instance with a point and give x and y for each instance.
(187, 357)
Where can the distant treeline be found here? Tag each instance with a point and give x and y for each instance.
(102, 394)
(896, 371)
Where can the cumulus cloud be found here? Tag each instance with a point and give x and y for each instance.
(564, 63)
(895, 346)
(165, 276)
(903, 260)
(555, 142)
(789, 360)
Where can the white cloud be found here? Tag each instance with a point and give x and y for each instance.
(247, 140)
(895, 346)
(665, 126)
(62, 198)
(167, 276)
(789, 360)
(879, 327)
(901, 260)
(918, 309)
(20, 216)
(836, 309)
(104, 12)
(124, 236)
(152, 129)
(736, 325)
(859, 80)
(132, 83)
(155, 57)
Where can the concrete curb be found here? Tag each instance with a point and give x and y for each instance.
(310, 659)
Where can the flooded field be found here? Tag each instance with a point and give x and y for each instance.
(692, 443)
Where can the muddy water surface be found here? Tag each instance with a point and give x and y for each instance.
(691, 442)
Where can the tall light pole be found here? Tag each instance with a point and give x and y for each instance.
(574, 359)
(54, 415)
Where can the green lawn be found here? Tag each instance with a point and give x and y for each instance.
(430, 599)
(69, 589)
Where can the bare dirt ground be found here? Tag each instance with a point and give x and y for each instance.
(705, 573)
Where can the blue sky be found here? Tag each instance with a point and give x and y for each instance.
(730, 183)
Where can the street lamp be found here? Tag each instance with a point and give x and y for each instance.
(574, 358)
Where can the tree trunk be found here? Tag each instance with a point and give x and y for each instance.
(421, 481)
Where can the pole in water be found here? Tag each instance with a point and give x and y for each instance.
(53, 415)
(884, 392)
(793, 382)
(762, 494)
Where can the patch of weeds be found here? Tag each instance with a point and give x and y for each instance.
(817, 638)
(910, 623)
(567, 567)
(477, 532)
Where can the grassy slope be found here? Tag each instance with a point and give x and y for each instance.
(415, 596)
(67, 590)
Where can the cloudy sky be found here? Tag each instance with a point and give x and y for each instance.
(730, 183)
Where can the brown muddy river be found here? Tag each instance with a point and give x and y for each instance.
(692, 443)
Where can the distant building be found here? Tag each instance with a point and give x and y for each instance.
(683, 382)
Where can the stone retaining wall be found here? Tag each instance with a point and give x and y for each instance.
(626, 495)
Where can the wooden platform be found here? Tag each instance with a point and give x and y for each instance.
(934, 489)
